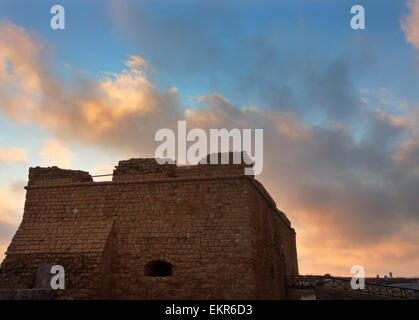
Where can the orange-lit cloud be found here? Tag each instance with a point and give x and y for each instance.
(20, 70)
(410, 24)
(116, 108)
(12, 199)
(11, 202)
(56, 153)
(13, 155)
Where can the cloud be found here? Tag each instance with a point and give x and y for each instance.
(116, 109)
(56, 153)
(21, 69)
(12, 199)
(345, 193)
(408, 154)
(410, 24)
(7, 230)
(259, 66)
(13, 155)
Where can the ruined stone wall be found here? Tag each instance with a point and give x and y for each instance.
(273, 245)
(61, 225)
(196, 225)
(84, 276)
(215, 226)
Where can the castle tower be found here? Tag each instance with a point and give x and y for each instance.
(153, 232)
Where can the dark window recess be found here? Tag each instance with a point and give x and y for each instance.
(158, 268)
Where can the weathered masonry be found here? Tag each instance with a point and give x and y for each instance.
(153, 232)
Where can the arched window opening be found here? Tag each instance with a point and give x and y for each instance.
(158, 268)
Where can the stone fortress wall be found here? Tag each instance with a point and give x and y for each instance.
(153, 232)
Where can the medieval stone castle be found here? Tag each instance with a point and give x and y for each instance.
(153, 232)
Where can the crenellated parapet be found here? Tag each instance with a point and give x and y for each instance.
(142, 169)
(55, 176)
(148, 169)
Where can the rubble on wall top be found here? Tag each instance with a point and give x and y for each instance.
(38, 174)
(137, 169)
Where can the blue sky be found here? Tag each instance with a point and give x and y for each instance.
(92, 40)
(297, 61)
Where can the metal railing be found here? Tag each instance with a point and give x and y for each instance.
(375, 289)
(102, 175)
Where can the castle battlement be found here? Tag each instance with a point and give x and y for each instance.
(53, 175)
(136, 169)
